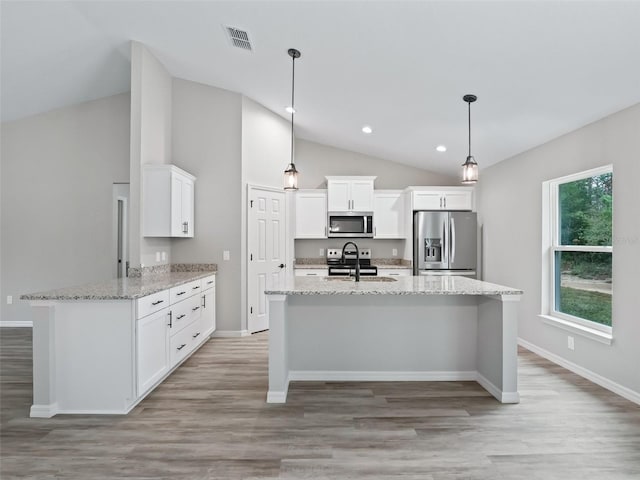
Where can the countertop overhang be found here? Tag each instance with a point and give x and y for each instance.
(422, 285)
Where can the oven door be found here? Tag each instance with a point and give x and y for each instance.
(350, 224)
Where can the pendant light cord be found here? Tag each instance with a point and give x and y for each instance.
(469, 104)
(293, 86)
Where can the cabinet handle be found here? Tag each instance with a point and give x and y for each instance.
(182, 346)
(185, 227)
(196, 287)
(445, 202)
(310, 274)
(170, 319)
(196, 335)
(204, 301)
(180, 293)
(179, 317)
(209, 282)
(157, 303)
(440, 202)
(325, 231)
(194, 309)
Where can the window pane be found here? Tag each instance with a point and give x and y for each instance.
(583, 285)
(585, 211)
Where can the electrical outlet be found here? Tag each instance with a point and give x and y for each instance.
(321, 252)
(226, 255)
(570, 344)
(394, 252)
(164, 256)
(9, 299)
(157, 256)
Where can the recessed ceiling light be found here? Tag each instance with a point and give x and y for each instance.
(441, 148)
(367, 129)
(290, 110)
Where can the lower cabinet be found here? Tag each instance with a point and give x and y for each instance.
(153, 349)
(395, 272)
(311, 272)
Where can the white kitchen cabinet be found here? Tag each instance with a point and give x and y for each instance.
(388, 214)
(394, 272)
(311, 214)
(311, 272)
(208, 317)
(152, 349)
(350, 194)
(442, 198)
(167, 202)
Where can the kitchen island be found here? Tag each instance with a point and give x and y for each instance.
(101, 348)
(407, 328)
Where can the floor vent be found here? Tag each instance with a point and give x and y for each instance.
(239, 38)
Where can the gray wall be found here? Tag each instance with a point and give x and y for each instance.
(510, 203)
(315, 161)
(151, 99)
(207, 143)
(58, 170)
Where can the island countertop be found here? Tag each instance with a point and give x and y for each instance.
(123, 288)
(422, 285)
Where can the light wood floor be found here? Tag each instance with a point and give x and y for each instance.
(209, 420)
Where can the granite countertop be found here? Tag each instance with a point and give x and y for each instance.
(424, 285)
(124, 288)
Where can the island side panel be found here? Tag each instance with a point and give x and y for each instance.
(44, 361)
(382, 337)
(278, 350)
(497, 348)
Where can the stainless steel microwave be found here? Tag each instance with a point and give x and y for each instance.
(350, 224)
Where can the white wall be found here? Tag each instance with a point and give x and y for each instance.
(315, 161)
(510, 204)
(58, 170)
(207, 142)
(151, 99)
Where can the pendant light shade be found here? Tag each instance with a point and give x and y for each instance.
(469, 167)
(291, 173)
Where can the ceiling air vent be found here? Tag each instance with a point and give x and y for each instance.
(239, 38)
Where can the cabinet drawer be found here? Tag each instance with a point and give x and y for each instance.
(395, 272)
(184, 291)
(311, 272)
(208, 282)
(185, 312)
(180, 345)
(197, 330)
(152, 303)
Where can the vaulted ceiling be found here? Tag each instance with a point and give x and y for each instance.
(539, 69)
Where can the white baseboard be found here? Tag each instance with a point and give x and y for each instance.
(43, 411)
(616, 388)
(371, 376)
(276, 397)
(502, 397)
(230, 333)
(16, 323)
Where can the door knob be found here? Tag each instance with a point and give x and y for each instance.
(282, 265)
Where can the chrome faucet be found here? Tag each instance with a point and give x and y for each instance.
(357, 258)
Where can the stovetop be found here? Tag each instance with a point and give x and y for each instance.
(334, 256)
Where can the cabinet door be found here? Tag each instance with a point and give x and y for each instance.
(339, 195)
(428, 201)
(388, 215)
(311, 272)
(458, 200)
(186, 208)
(395, 272)
(362, 195)
(152, 349)
(208, 318)
(311, 214)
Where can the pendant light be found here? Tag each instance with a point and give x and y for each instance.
(470, 167)
(291, 174)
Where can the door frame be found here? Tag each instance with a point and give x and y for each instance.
(288, 202)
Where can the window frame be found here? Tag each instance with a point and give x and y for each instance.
(551, 245)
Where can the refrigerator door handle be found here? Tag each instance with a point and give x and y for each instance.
(452, 241)
(445, 243)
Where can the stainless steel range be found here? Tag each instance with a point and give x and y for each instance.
(347, 267)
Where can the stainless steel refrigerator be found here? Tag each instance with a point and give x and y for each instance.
(445, 243)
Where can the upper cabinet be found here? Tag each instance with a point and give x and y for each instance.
(311, 214)
(442, 198)
(167, 202)
(388, 214)
(350, 194)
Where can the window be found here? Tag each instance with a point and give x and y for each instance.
(579, 249)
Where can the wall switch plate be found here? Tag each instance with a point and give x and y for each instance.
(394, 252)
(157, 256)
(321, 252)
(9, 299)
(164, 256)
(570, 343)
(226, 255)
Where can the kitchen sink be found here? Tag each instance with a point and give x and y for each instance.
(362, 279)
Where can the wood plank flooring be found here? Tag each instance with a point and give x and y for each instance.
(209, 420)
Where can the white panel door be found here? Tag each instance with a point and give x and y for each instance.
(339, 195)
(388, 214)
(311, 214)
(187, 208)
(362, 195)
(266, 243)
